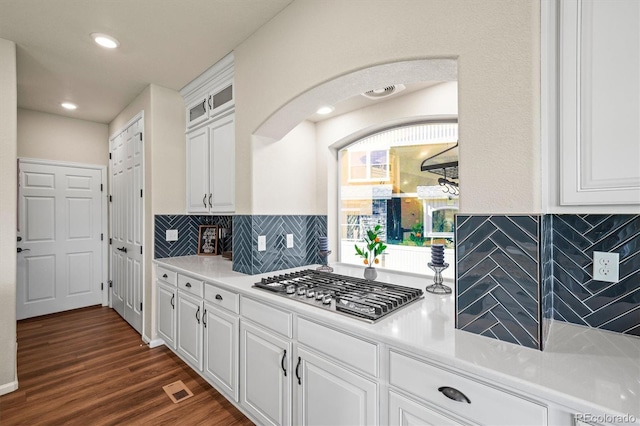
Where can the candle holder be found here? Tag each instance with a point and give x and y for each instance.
(437, 287)
(324, 255)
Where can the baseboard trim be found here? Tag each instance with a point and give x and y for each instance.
(8, 387)
(155, 343)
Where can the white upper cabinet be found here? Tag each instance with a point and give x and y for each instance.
(599, 102)
(210, 126)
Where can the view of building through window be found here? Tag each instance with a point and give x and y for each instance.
(381, 183)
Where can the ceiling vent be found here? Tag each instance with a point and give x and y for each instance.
(384, 92)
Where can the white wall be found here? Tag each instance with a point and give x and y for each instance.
(8, 225)
(335, 133)
(54, 137)
(168, 153)
(496, 44)
(287, 171)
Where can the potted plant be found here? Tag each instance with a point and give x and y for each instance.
(373, 248)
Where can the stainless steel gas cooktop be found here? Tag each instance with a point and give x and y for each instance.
(354, 297)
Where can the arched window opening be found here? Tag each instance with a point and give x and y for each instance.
(381, 183)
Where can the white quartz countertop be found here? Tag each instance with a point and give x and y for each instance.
(582, 368)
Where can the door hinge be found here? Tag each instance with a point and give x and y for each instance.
(141, 193)
(101, 237)
(140, 141)
(140, 306)
(110, 241)
(140, 249)
(110, 198)
(101, 187)
(110, 283)
(101, 286)
(109, 156)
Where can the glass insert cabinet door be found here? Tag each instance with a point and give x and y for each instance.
(197, 112)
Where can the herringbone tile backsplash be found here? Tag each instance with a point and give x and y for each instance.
(516, 272)
(187, 226)
(498, 270)
(580, 299)
(305, 229)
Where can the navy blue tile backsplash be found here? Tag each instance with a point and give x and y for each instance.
(305, 229)
(187, 227)
(497, 276)
(516, 272)
(577, 297)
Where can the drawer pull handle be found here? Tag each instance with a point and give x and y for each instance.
(188, 285)
(165, 276)
(218, 297)
(297, 373)
(284, 369)
(454, 394)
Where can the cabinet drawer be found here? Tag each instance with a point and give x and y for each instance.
(190, 285)
(267, 316)
(167, 275)
(221, 297)
(488, 405)
(350, 350)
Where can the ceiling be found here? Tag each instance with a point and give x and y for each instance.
(164, 42)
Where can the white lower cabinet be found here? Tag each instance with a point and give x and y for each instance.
(464, 397)
(406, 412)
(329, 394)
(189, 334)
(221, 349)
(265, 375)
(167, 314)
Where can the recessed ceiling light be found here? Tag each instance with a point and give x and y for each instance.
(105, 40)
(325, 110)
(68, 105)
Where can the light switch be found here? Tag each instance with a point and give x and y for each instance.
(262, 242)
(172, 235)
(289, 240)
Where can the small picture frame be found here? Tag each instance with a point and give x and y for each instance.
(208, 240)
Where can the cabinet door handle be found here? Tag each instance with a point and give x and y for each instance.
(198, 315)
(173, 297)
(204, 104)
(297, 373)
(454, 394)
(204, 201)
(210, 97)
(210, 200)
(188, 285)
(284, 369)
(165, 276)
(204, 318)
(218, 297)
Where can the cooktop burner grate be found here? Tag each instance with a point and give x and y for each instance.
(355, 297)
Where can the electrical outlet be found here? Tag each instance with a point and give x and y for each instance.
(262, 242)
(606, 266)
(172, 235)
(289, 240)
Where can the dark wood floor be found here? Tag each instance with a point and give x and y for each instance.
(89, 367)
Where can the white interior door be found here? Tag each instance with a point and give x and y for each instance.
(126, 202)
(60, 222)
